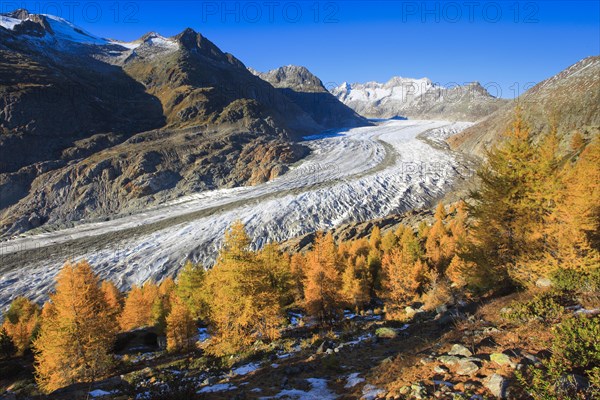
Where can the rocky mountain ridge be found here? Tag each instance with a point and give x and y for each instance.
(91, 127)
(570, 100)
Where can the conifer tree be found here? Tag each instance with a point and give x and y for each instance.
(437, 243)
(137, 311)
(243, 304)
(21, 322)
(577, 141)
(113, 297)
(297, 267)
(374, 266)
(576, 218)
(403, 280)
(503, 205)
(388, 242)
(180, 326)
(161, 307)
(355, 283)
(191, 289)
(410, 246)
(375, 238)
(77, 332)
(321, 287)
(276, 266)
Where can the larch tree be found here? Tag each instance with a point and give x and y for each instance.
(323, 280)
(375, 238)
(577, 141)
(297, 267)
(577, 215)
(22, 322)
(161, 307)
(243, 304)
(276, 266)
(180, 326)
(503, 206)
(403, 278)
(388, 242)
(355, 283)
(191, 289)
(77, 333)
(113, 297)
(137, 311)
(437, 243)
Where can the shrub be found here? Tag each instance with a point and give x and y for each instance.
(570, 280)
(545, 306)
(575, 351)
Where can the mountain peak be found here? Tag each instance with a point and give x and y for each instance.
(295, 77)
(21, 14)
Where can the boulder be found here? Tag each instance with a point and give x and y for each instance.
(460, 350)
(497, 385)
(448, 360)
(466, 367)
(500, 358)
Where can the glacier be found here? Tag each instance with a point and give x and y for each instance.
(350, 176)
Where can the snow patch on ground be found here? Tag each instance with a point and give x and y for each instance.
(318, 391)
(246, 369)
(102, 393)
(371, 392)
(219, 387)
(353, 380)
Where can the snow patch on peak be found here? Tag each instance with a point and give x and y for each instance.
(65, 30)
(9, 23)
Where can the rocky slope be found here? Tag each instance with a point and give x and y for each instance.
(91, 127)
(308, 92)
(570, 100)
(418, 99)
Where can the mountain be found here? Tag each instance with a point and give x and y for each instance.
(309, 93)
(418, 99)
(569, 99)
(93, 127)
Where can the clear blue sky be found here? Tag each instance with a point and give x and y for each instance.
(495, 43)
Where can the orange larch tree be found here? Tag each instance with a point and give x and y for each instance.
(77, 331)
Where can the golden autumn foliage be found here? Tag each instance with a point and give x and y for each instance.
(322, 298)
(403, 279)
(21, 323)
(355, 283)
(137, 311)
(191, 289)
(244, 300)
(77, 331)
(180, 326)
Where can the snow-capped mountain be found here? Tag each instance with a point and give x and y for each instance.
(417, 98)
(308, 92)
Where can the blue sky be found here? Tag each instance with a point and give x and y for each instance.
(504, 46)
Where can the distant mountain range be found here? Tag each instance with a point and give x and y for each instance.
(418, 99)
